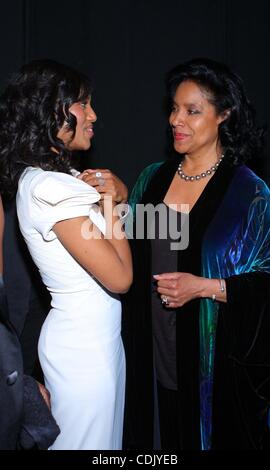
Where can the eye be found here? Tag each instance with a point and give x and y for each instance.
(193, 111)
(174, 109)
(83, 105)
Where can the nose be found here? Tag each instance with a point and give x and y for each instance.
(91, 115)
(177, 119)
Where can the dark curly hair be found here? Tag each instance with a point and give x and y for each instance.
(33, 109)
(238, 134)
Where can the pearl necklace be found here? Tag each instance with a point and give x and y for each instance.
(202, 175)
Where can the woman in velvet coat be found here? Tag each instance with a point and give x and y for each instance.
(197, 345)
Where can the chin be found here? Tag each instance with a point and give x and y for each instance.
(87, 144)
(84, 146)
(179, 148)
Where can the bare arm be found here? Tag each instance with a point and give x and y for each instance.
(108, 259)
(45, 394)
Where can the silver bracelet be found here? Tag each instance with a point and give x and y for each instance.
(222, 285)
(222, 289)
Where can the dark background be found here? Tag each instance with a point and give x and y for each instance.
(127, 46)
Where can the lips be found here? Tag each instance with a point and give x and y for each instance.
(180, 136)
(89, 131)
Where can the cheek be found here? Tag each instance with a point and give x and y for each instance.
(206, 127)
(65, 135)
(79, 115)
(199, 127)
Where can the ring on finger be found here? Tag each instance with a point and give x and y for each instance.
(164, 300)
(101, 181)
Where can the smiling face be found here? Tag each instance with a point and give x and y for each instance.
(85, 116)
(194, 120)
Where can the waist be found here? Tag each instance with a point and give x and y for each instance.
(80, 296)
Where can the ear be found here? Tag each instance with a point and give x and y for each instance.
(224, 115)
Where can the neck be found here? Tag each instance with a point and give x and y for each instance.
(205, 173)
(196, 162)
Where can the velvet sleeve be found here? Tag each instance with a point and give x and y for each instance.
(246, 315)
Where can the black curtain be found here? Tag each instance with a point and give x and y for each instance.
(127, 46)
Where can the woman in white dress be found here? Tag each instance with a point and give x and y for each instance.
(46, 115)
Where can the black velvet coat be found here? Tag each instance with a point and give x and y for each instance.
(241, 382)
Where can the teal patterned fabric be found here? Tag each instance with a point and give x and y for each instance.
(141, 184)
(237, 241)
(137, 193)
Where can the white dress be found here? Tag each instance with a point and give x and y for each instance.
(80, 346)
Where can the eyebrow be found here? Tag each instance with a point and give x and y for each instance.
(198, 103)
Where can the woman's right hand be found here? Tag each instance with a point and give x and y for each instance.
(107, 184)
(180, 288)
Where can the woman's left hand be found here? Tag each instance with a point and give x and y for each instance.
(179, 288)
(106, 183)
